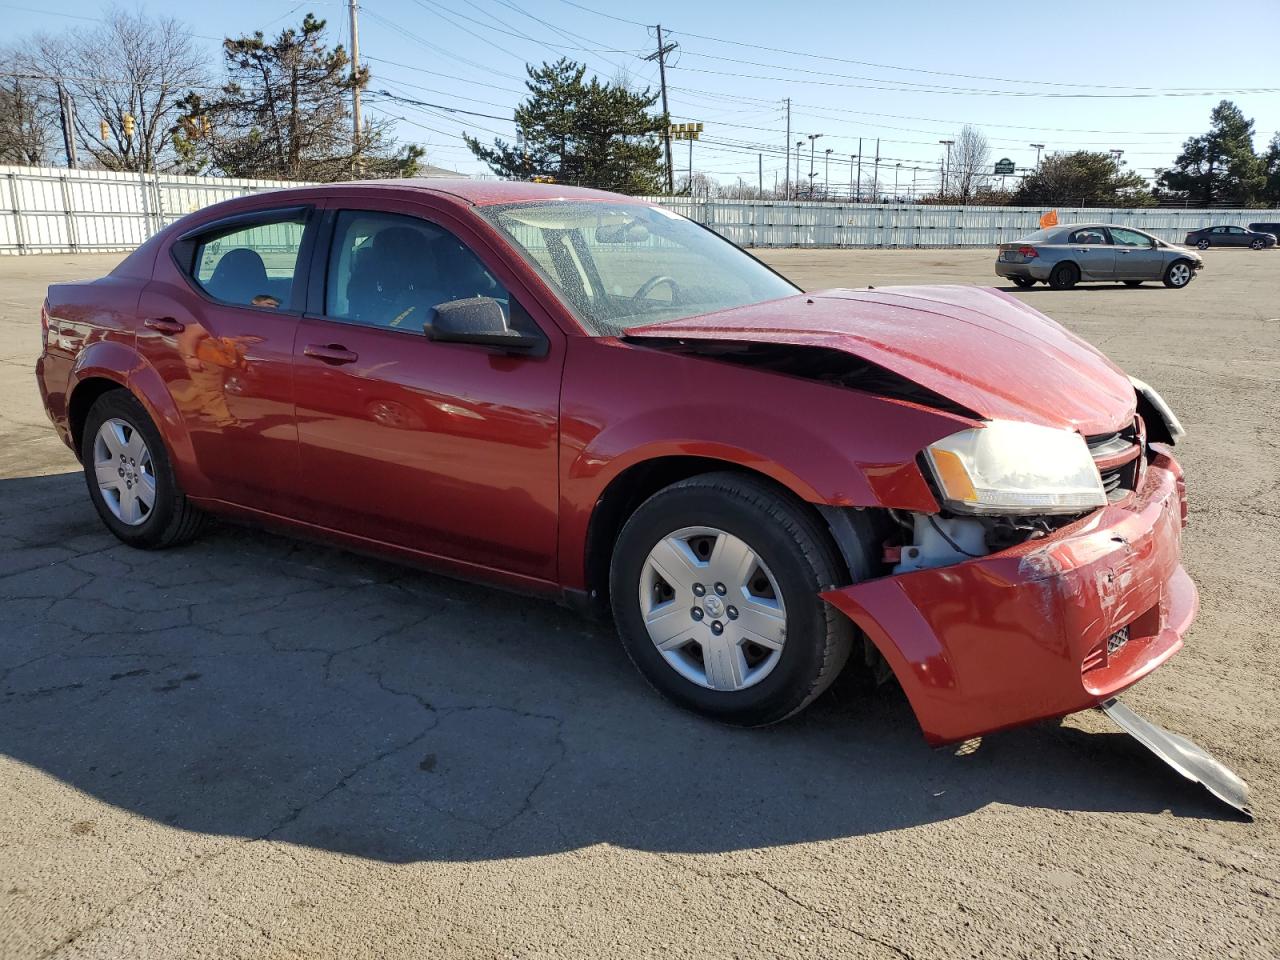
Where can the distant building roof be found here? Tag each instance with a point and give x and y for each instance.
(430, 170)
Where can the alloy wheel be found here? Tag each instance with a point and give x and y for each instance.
(125, 472)
(1179, 274)
(712, 608)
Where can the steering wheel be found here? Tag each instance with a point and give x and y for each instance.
(648, 286)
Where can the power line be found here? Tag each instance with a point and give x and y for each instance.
(987, 93)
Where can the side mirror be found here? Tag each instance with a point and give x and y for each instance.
(478, 320)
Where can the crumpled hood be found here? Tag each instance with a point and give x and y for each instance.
(979, 347)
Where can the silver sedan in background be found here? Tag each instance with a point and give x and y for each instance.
(1064, 256)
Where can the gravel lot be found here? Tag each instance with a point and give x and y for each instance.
(257, 747)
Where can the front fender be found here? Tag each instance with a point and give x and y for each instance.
(623, 405)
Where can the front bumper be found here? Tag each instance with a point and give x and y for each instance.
(1022, 635)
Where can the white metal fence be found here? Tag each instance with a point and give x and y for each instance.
(51, 210)
(804, 224)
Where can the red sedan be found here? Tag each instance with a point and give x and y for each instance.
(582, 395)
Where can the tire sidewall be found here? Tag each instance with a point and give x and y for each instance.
(807, 624)
(1168, 274)
(122, 405)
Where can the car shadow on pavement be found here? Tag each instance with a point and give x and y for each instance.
(255, 686)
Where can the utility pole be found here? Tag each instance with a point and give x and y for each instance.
(875, 180)
(896, 168)
(946, 170)
(852, 158)
(355, 87)
(859, 169)
(799, 144)
(826, 177)
(788, 176)
(760, 176)
(661, 56)
(1039, 147)
(812, 171)
(66, 111)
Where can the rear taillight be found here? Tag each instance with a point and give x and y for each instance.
(44, 325)
(1028, 253)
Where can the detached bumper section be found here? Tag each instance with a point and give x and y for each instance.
(1043, 629)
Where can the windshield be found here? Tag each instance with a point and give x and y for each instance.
(624, 265)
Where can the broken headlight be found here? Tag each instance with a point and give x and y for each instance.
(1008, 467)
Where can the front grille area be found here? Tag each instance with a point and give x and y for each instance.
(1119, 458)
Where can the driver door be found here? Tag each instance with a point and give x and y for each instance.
(441, 448)
(1137, 256)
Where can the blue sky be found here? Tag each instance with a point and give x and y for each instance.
(910, 74)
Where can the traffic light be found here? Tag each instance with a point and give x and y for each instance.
(128, 126)
(104, 130)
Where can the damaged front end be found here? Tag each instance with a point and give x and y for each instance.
(1067, 618)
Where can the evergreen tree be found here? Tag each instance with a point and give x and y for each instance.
(1271, 162)
(574, 132)
(283, 115)
(1084, 178)
(1219, 166)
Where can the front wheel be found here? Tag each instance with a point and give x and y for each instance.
(714, 587)
(1178, 275)
(1202, 244)
(130, 478)
(1257, 244)
(1023, 282)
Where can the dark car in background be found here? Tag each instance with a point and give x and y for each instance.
(1063, 256)
(1271, 228)
(1229, 236)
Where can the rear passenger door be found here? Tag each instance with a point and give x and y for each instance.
(218, 323)
(443, 448)
(1093, 253)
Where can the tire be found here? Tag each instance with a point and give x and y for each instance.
(170, 519)
(1133, 283)
(1064, 276)
(1178, 274)
(1257, 245)
(796, 561)
(1202, 244)
(1023, 282)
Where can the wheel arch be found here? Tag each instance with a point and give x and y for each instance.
(632, 486)
(83, 396)
(98, 372)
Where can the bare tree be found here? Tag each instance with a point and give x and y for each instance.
(28, 125)
(132, 66)
(970, 163)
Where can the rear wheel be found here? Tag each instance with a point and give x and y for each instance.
(714, 586)
(1178, 275)
(1203, 243)
(1023, 282)
(130, 478)
(1064, 276)
(1258, 244)
(1133, 283)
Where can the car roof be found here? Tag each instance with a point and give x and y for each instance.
(484, 192)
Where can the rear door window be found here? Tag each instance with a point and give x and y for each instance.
(1088, 235)
(254, 265)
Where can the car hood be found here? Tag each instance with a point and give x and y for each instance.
(978, 347)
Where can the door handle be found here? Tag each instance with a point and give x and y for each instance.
(331, 353)
(164, 324)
